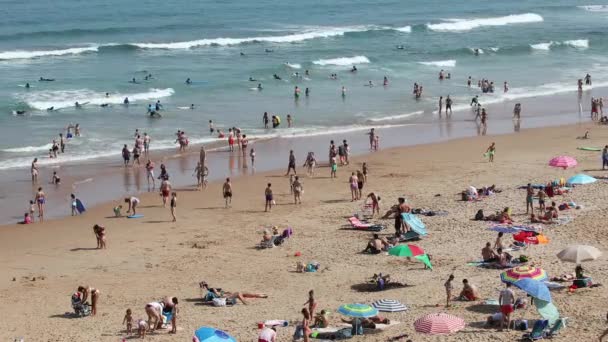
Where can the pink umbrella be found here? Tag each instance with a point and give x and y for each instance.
(438, 323)
(563, 162)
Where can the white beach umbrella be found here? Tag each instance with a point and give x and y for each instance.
(389, 305)
(579, 253)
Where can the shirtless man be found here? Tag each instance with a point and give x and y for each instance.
(448, 105)
(488, 253)
(292, 164)
(376, 245)
(227, 192)
(372, 139)
(441, 102)
(34, 170)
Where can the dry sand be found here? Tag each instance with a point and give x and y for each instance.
(152, 257)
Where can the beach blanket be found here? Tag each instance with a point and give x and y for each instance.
(513, 229)
(547, 310)
(554, 286)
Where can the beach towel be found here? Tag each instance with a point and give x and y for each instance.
(597, 149)
(414, 223)
(554, 286)
(358, 225)
(547, 310)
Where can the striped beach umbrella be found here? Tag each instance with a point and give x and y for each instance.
(358, 310)
(411, 251)
(521, 272)
(438, 323)
(389, 305)
(563, 161)
(208, 334)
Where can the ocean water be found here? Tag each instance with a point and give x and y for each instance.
(540, 47)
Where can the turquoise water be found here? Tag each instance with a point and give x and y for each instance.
(539, 47)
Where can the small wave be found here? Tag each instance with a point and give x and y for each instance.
(577, 43)
(28, 149)
(292, 38)
(494, 49)
(455, 25)
(595, 8)
(447, 63)
(395, 117)
(22, 54)
(66, 98)
(293, 65)
(405, 29)
(316, 131)
(342, 61)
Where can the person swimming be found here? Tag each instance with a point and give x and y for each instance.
(104, 105)
(268, 50)
(259, 86)
(276, 77)
(134, 81)
(192, 106)
(126, 101)
(242, 54)
(27, 85)
(400, 47)
(42, 79)
(77, 105)
(188, 81)
(251, 79)
(354, 69)
(50, 108)
(20, 112)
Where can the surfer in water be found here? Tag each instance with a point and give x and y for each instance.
(354, 69)
(125, 101)
(251, 79)
(27, 86)
(42, 79)
(188, 81)
(259, 86)
(134, 81)
(77, 105)
(276, 77)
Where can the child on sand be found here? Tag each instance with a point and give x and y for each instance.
(297, 190)
(142, 327)
(334, 167)
(128, 320)
(174, 313)
(117, 211)
(312, 303)
(269, 198)
(27, 219)
(252, 155)
(32, 210)
(448, 290)
(173, 205)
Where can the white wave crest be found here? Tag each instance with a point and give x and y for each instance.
(396, 117)
(22, 54)
(405, 29)
(541, 46)
(342, 61)
(577, 43)
(470, 24)
(595, 8)
(67, 98)
(450, 63)
(28, 149)
(307, 35)
(293, 65)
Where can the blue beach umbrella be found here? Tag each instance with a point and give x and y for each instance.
(581, 179)
(534, 288)
(208, 334)
(358, 310)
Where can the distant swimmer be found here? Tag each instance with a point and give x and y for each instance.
(192, 106)
(77, 105)
(27, 85)
(476, 52)
(306, 73)
(354, 69)
(307, 92)
(343, 91)
(259, 86)
(242, 54)
(19, 112)
(42, 79)
(469, 81)
(107, 94)
(133, 81)
(158, 106)
(155, 115)
(188, 81)
(370, 84)
(276, 77)
(104, 105)
(268, 50)
(126, 101)
(400, 47)
(333, 76)
(51, 109)
(385, 82)
(251, 79)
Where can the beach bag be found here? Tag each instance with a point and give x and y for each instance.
(287, 233)
(278, 240)
(479, 215)
(219, 301)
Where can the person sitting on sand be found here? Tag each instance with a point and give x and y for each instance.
(503, 258)
(505, 218)
(218, 293)
(368, 323)
(376, 245)
(321, 320)
(267, 236)
(469, 292)
(488, 253)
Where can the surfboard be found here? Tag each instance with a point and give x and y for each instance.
(80, 207)
(589, 148)
(135, 216)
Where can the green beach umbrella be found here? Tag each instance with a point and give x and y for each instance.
(411, 251)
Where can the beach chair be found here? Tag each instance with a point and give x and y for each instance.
(357, 224)
(559, 325)
(538, 331)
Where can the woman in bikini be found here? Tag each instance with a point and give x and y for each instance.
(40, 200)
(100, 233)
(354, 187)
(94, 293)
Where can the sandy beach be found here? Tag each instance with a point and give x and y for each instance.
(152, 257)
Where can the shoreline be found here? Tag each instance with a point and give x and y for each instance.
(106, 180)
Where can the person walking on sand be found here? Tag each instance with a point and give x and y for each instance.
(297, 190)
(506, 301)
(354, 190)
(100, 234)
(490, 152)
(40, 200)
(150, 173)
(292, 164)
(173, 205)
(605, 157)
(34, 170)
(165, 191)
(269, 198)
(448, 290)
(227, 192)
